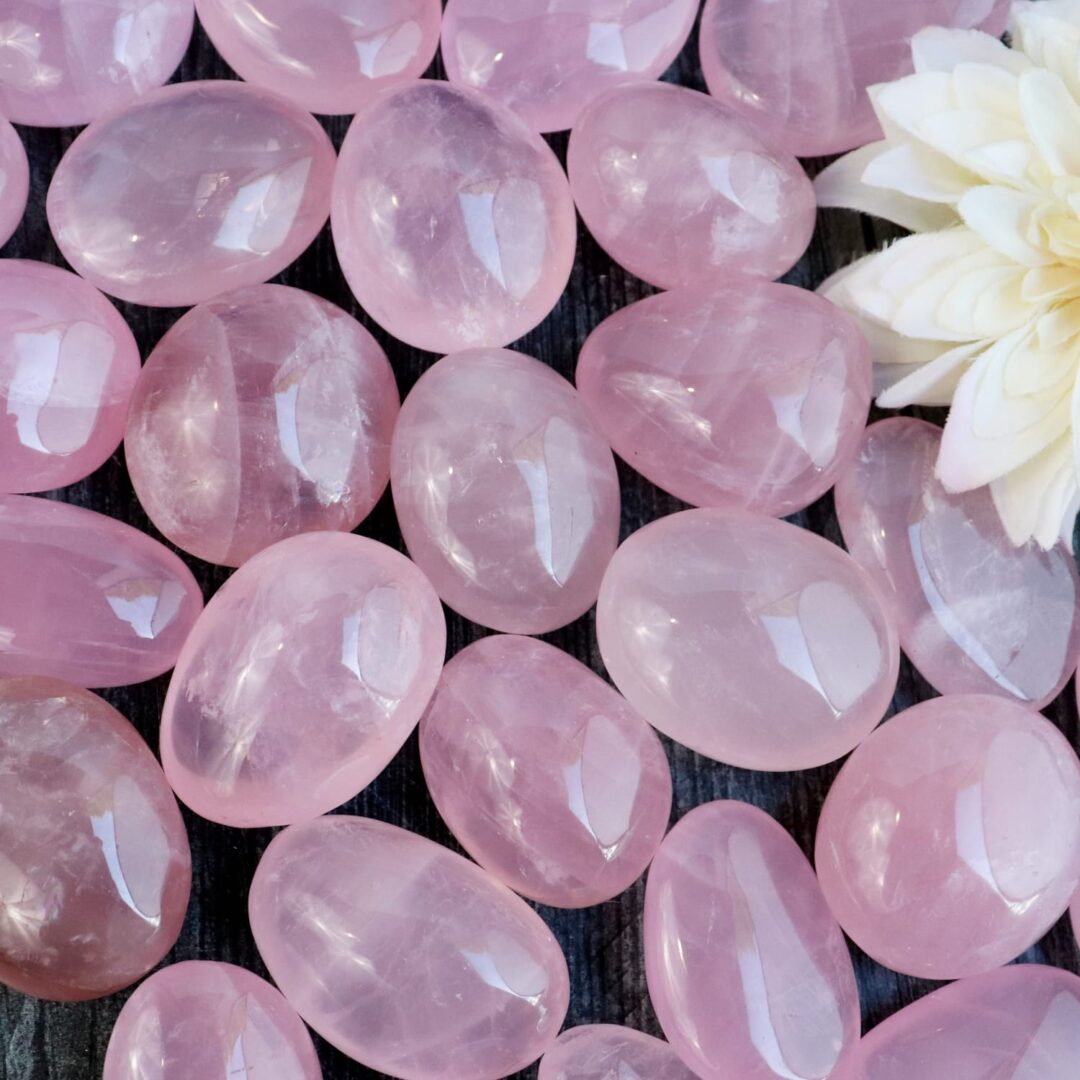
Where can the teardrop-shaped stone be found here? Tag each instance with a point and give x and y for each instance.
(610, 1052)
(14, 180)
(404, 955)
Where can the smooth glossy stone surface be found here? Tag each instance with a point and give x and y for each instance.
(330, 56)
(95, 869)
(545, 775)
(452, 220)
(199, 188)
(675, 188)
(976, 613)
(609, 1052)
(262, 414)
(404, 955)
(748, 971)
(306, 673)
(505, 492)
(86, 598)
(68, 365)
(747, 639)
(734, 393)
(14, 180)
(950, 841)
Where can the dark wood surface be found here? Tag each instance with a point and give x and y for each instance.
(603, 945)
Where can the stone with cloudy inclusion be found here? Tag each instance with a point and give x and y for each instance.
(14, 180)
(610, 1052)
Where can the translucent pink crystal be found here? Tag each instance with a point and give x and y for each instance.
(544, 774)
(262, 414)
(675, 188)
(950, 841)
(609, 1052)
(14, 179)
(452, 220)
(403, 955)
(506, 493)
(94, 863)
(198, 188)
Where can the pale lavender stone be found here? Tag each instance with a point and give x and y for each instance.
(14, 180)
(609, 1052)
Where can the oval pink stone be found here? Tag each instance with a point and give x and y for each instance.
(452, 220)
(302, 679)
(198, 188)
(545, 775)
(262, 414)
(609, 1052)
(14, 180)
(68, 365)
(506, 493)
(675, 188)
(950, 841)
(95, 869)
(747, 639)
(86, 598)
(404, 955)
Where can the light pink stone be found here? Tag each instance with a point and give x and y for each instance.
(95, 869)
(505, 492)
(675, 188)
(452, 220)
(545, 775)
(198, 188)
(14, 180)
(406, 957)
(747, 639)
(950, 841)
(609, 1052)
(260, 415)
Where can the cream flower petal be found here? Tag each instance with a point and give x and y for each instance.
(931, 383)
(1047, 283)
(1052, 117)
(1039, 500)
(1002, 217)
(938, 48)
(915, 170)
(1059, 325)
(1048, 32)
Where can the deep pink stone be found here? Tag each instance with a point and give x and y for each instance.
(737, 392)
(506, 493)
(452, 220)
(198, 188)
(86, 598)
(675, 188)
(748, 972)
(14, 180)
(950, 841)
(609, 1052)
(404, 955)
(94, 863)
(544, 774)
(262, 414)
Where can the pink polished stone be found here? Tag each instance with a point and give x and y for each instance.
(547, 61)
(196, 189)
(506, 493)
(306, 673)
(452, 220)
(747, 639)
(544, 774)
(262, 414)
(94, 863)
(608, 1052)
(403, 955)
(86, 598)
(734, 393)
(676, 189)
(977, 615)
(14, 180)
(950, 841)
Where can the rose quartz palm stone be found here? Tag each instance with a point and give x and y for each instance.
(14, 180)
(950, 841)
(94, 863)
(406, 957)
(608, 1052)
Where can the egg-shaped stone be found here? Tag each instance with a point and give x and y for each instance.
(14, 180)
(610, 1052)
(505, 491)
(452, 220)
(405, 956)
(544, 773)
(95, 869)
(196, 189)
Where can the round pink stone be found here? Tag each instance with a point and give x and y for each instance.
(506, 493)
(302, 679)
(94, 863)
(950, 841)
(68, 365)
(198, 188)
(545, 775)
(403, 955)
(748, 972)
(14, 180)
(609, 1052)
(262, 414)
(675, 188)
(547, 61)
(452, 220)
